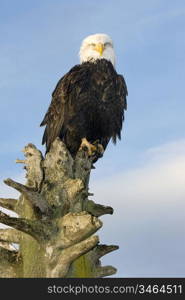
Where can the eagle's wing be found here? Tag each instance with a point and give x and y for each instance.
(122, 91)
(54, 117)
(121, 95)
(113, 90)
(58, 112)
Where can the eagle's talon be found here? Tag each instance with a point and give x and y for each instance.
(100, 149)
(91, 149)
(96, 142)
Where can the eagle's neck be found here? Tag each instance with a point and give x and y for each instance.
(88, 56)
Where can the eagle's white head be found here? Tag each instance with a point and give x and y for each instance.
(97, 46)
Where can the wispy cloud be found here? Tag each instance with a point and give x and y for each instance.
(149, 205)
(163, 16)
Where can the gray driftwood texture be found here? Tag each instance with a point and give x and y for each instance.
(56, 221)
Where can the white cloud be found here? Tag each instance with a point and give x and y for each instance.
(149, 217)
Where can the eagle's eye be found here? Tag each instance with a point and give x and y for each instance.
(93, 45)
(108, 44)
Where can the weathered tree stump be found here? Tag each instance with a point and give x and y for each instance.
(56, 221)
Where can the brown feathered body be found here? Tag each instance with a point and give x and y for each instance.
(88, 102)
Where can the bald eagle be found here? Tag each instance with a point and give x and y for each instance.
(88, 103)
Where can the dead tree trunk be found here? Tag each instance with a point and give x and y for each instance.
(56, 221)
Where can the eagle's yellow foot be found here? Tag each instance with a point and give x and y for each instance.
(99, 148)
(90, 148)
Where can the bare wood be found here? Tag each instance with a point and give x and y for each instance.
(106, 271)
(33, 162)
(20, 161)
(7, 246)
(101, 250)
(34, 228)
(8, 203)
(9, 255)
(8, 263)
(70, 254)
(10, 235)
(34, 197)
(97, 209)
(75, 227)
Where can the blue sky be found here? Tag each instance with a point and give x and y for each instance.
(39, 43)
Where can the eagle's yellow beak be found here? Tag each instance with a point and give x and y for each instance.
(99, 48)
